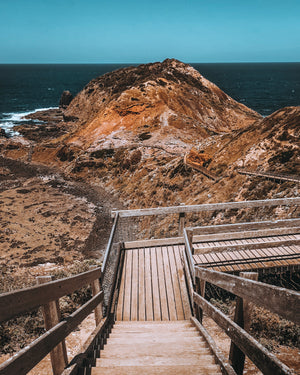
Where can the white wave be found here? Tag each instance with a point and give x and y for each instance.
(13, 118)
(8, 127)
(19, 116)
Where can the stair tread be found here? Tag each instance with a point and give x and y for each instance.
(136, 348)
(152, 334)
(165, 340)
(154, 329)
(159, 370)
(150, 350)
(155, 360)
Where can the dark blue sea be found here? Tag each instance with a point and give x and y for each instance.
(264, 87)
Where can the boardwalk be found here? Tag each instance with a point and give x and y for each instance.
(153, 285)
(270, 175)
(153, 308)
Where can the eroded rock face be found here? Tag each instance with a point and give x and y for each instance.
(168, 104)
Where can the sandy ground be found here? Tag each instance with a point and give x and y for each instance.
(46, 218)
(73, 343)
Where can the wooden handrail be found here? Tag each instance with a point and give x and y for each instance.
(274, 176)
(257, 225)
(88, 347)
(207, 207)
(189, 255)
(110, 242)
(27, 358)
(25, 300)
(258, 354)
(281, 301)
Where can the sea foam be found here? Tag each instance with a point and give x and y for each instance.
(9, 120)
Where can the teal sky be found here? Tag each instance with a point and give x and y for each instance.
(131, 31)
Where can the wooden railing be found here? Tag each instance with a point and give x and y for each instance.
(284, 302)
(207, 207)
(270, 175)
(47, 295)
(110, 242)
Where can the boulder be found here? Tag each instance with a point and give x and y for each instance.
(65, 99)
(3, 133)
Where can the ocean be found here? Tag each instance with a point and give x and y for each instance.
(264, 87)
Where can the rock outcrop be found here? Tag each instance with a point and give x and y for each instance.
(168, 104)
(129, 131)
(65, 99)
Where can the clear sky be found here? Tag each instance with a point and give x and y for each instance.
(134, 31)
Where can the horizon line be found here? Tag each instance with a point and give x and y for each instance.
(140, 63)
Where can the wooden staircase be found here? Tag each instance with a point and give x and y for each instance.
(157, 347)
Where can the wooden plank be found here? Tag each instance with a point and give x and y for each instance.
(244, 234)
(148, 286)
(25, 300)
(120, 305)
(175, 282)
(154, 242)
(247, 226)
(270, 297)
(142, 308)
(225, 367)
(169, 284)
(208, 237)
(134, 286)
(162, 285)
(248, 245)
(258, 354)
(155, 285)
(183, 288)
(128, 286)
(31, 355)
(208, 207)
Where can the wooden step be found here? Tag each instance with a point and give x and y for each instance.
(128, 335)
(156, 360)
(159, 370)
(163, 340)
(156, 348)
(176, 349)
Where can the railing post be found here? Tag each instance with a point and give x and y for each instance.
(51, 314)
(242, 318)
(189, 233)
(199, 289)
(96, 287)
(248, 306)
(181, 223)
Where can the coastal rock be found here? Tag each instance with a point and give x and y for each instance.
(160, 104)
(3, 133)
(48, 124)
(65, 99)
(132, 128)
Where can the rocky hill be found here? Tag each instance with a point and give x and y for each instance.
(168, 104)
(131, 131)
